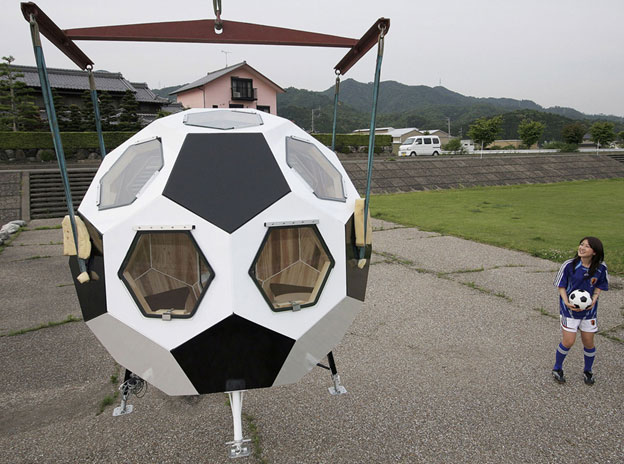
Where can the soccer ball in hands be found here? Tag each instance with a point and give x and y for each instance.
(581, 299)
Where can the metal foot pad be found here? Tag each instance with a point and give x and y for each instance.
(239, 449)
(340, 390)
(121, 410)
(337, 389)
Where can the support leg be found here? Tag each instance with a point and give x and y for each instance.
(132, 384)
(239, 447)
(337, 389)
(125, 408)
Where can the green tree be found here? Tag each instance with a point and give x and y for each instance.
(74, 121)
(17, 108)
(61, 110)
(108, 112)
(574, 133)
(621, 136)
(455, 147)
(484, 131)
(602, 133)
(128, 116)
(87, 112)
(530, 132)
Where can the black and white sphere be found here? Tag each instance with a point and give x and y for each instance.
(223, 252)
(581, 299)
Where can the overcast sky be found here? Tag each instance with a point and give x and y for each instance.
(554, 52)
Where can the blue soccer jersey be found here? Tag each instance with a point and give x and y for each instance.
(576, 277)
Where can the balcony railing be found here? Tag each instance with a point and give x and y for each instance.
(245, 94)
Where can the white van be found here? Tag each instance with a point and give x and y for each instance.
(421, 145)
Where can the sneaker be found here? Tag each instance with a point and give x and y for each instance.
(588, 377)
(558, 375)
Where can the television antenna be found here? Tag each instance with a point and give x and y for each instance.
(226, 56)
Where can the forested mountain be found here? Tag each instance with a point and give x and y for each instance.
(401, 105)
(164, 92)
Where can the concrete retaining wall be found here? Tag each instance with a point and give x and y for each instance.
(411, 174)
(10, 196)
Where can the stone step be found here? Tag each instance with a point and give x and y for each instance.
(47, 193)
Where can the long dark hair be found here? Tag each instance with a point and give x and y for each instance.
(598, 258)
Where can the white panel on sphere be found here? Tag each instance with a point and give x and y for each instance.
(215, 304)
(318, 341)
(141, 355)
(249, 301)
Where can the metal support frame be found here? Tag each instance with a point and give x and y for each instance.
(202, 31)
(206, 31)
(46, 91)
(336, 93)
(96, 110)
(371, 138)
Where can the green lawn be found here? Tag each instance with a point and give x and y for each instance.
(546, 220)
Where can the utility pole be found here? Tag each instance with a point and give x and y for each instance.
(313, 110)
(448, 121)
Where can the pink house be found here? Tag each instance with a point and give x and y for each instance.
(237, 86)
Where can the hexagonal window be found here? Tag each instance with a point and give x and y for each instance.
(315, 169)
(223, 119)
(123, 182)
(291, 267)
(166, 273)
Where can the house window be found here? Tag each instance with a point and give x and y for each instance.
(265, 108)
(242, 89)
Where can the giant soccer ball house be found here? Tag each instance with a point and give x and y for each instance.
(223, 252)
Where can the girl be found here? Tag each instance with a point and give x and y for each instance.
(584, 272)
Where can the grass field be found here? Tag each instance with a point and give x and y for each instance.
(546, 220)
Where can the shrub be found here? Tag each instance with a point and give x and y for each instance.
(455, 147)
(47, 155)
(354, 140)
(72, 141)
(553, 145)
(569, 148)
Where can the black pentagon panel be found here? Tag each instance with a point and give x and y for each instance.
(91, 294)
(227, 179)
(235, 354)
(356, 277)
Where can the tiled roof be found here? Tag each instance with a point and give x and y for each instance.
(143, 93)
(78, 80)
(208, 78)
(217, 74)
(400, 132)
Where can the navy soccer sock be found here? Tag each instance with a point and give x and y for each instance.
(589, 355)
(562, 351)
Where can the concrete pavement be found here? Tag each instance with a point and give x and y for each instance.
(449, 361)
